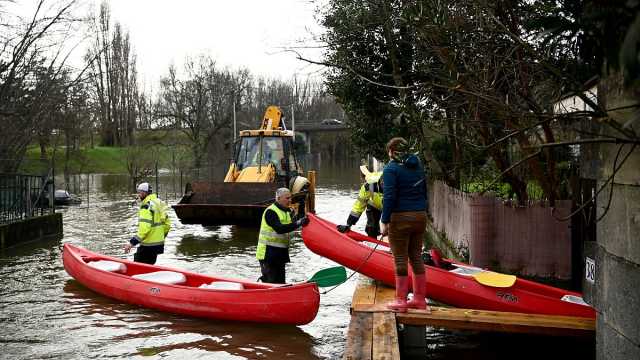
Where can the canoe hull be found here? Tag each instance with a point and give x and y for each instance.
(264, 303)
(321, 237)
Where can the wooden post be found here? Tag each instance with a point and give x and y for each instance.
(311, 176)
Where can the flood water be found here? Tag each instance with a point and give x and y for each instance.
(45, 314)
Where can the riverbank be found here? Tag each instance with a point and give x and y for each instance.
(96, 160)
(100, 159)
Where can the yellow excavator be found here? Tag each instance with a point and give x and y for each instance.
(263, 161)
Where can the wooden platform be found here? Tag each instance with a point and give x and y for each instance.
(373, 329)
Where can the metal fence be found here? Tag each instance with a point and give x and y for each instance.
(25, 196)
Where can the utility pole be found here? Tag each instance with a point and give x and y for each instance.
(293, 104)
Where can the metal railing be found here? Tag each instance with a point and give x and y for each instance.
(25, 196)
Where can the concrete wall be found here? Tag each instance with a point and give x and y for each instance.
(615, 290)
(33, 229)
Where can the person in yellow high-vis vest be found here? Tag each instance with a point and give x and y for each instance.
(275, 233)
(153, 226)
(370, 200)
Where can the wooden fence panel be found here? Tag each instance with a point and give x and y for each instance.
(528, 240)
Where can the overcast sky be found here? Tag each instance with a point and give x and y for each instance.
(237, 33)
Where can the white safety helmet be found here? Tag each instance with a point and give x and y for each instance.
(144, 187)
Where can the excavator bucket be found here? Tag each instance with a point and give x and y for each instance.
(212, 204)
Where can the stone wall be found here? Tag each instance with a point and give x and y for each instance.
(614, 291)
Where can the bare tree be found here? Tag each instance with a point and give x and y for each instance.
(32, 74)
(201, 104)
(114, 79)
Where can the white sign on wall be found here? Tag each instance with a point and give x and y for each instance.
(590, 270)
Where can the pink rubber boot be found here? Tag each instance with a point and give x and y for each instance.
(402, 288)
(419, 293)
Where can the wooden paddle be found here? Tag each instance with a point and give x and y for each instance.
(329, 277)
(494, 279)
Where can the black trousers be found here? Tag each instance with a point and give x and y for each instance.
(147, 254)
(272, 272)
(373, 221)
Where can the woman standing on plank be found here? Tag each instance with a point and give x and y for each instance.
(404, 219)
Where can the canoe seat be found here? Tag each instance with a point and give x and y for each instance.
(107, 265)
(465, 270)
(574, 299)
(162, 277)
(222, 285)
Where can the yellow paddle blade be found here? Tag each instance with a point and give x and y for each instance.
(494, 279)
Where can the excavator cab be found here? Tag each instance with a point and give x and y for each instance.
(265, 155)
(264, 152)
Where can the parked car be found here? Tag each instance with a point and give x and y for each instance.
(63, 197)
(331, 122)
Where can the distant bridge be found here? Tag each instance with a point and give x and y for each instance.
(315, 127)
(308, 128)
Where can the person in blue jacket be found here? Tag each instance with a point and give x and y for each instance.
(404, 219)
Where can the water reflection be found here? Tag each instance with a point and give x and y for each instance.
(232, 241)
(29, 248)
(469, 345)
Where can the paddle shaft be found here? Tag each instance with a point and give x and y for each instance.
(363, 238)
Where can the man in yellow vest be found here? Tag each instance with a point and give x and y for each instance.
(275, 234)
(153, 226)
(369, 199)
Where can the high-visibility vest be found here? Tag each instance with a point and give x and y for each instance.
(370, 194)
(268, 236)
(153, 221)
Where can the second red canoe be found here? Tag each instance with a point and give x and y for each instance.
(453, 283)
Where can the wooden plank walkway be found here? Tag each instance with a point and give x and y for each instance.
(372, 335)
(373, 329)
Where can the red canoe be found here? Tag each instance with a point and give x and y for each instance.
(192, 294)
(450, 284)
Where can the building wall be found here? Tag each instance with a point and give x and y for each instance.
(614, 291)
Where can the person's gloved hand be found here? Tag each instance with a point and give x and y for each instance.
(343, 228)
(302, 222)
